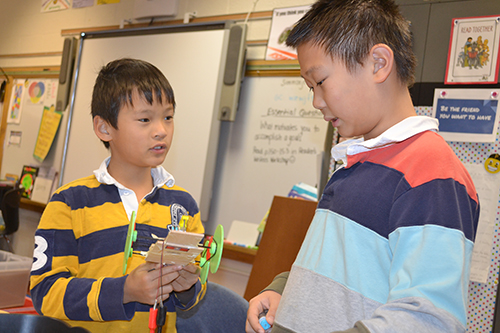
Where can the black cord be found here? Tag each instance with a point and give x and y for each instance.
(161, 317)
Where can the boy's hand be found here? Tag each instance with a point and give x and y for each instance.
(267, 300)
(142, 283)
(188, 276)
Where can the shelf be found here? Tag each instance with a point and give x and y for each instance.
(32, 205)
(239, 253)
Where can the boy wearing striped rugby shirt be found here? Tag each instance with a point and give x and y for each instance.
(77, 271)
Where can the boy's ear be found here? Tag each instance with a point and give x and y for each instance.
(101, 128)
(382, 59)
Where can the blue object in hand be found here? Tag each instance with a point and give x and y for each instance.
(263, 322)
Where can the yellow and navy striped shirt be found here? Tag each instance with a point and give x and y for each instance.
(79, 248)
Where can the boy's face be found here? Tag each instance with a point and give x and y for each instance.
(144, 133)
(343, 97)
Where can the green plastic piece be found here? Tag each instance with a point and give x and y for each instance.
(131, 237)
(204, 272)
(217, 254)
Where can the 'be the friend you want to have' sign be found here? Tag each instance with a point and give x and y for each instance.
(467, 114)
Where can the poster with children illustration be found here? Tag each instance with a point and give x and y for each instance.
(473, 51)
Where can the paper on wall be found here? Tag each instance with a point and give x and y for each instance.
(487, 186)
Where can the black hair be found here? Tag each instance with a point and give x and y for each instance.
(117, 81)
(348, 29)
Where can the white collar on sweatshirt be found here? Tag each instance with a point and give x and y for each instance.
(403, 130)
(159, 174)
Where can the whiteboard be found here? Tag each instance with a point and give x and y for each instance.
(191, 61)
(273, 144)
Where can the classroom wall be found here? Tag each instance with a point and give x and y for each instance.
(25, 30)
(29, 37)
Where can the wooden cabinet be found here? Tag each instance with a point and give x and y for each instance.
(286, 227)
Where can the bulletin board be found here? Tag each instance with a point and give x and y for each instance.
(26, 108)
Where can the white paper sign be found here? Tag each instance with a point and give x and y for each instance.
(487, 186)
